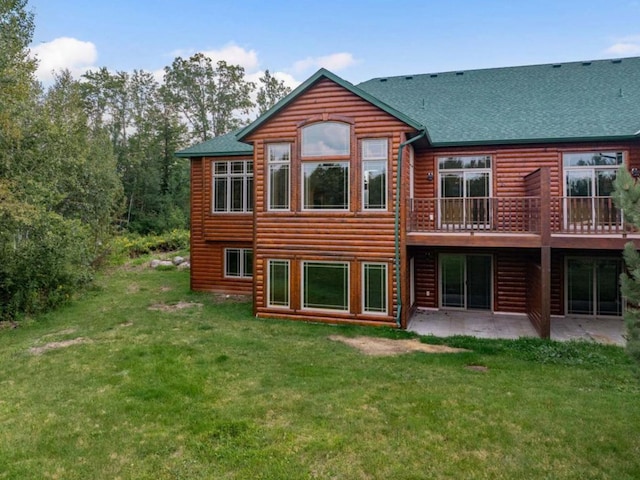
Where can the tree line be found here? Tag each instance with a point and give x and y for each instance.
(90, 156)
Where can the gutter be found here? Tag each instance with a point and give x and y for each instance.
(422, 133)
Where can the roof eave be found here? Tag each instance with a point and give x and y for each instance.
(185, 154)
(470, 143)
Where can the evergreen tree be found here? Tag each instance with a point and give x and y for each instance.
(627, 198)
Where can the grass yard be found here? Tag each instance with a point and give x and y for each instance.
(109, 388)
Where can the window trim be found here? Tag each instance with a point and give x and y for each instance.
(303, 282)
(271, 262)
(463, 172)
(271, 163)
(247, 193)
(364, 161)
(242, 263)
(593, 169)
(385, 289)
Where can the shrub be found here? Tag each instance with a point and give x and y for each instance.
(132, 245)
(43, 261)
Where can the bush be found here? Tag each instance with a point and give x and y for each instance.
(43, 261)
(133, 245)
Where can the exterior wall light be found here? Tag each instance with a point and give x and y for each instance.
(430, 175)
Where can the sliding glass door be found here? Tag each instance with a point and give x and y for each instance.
(465, 281)
(592, 286)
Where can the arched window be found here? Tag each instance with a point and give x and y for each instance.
(326, 139)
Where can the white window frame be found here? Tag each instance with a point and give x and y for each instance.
(464, 172)
(305, 263)
(242, 263)
(272, 165)
(566, 169)
(373, 158)
(270, 263)
(247, 191)
(385, 288)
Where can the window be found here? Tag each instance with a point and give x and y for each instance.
(374, 288)
(238, 262)
(588, 183)
(279, 160)
(233, 186)
(465, 281)
(326, 139)
(465, 188)
(325, 286)
(278, 283)
(325, 186)
(374, 174)
(593, 287)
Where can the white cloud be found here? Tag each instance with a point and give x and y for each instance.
(629, 45)
(333, 62)
(64, 53)
(235, 55)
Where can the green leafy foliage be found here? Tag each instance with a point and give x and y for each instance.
(43, 261)
(627, 197)
(133, 245)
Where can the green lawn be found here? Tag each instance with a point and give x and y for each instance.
(210, 392)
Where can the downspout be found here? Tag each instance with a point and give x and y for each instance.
(397, 222)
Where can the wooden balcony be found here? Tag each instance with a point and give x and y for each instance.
(570, 222)
(480, 214)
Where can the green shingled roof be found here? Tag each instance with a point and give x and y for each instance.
(569, 101)
(225, 145)
(595, 100)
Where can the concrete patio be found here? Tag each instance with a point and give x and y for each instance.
(446, 323)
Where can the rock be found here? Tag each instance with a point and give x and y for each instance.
(161, 263)
(178, 260)
(184, 266)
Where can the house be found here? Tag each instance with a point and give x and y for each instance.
(469, 190)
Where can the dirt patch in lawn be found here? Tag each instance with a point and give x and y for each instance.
(56, 345)
(163, 307)
(386, 346)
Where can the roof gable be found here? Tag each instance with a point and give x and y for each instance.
(302, 88)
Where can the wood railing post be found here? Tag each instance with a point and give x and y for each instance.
(545, 251)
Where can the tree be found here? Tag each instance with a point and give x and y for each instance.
(627, 198)
(17, 85)
(270, 92)
(212, 100)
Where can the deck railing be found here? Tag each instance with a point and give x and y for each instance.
(570, 215)
(587, 215)
(488, 214)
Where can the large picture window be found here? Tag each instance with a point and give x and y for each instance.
(326, 139)
(325, 286)
(279, 160)
(325, 186)
(233, 186)
(374, 174)
(374, 288)
(238, 262)
(278, 283)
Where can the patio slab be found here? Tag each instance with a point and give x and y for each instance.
(446, 323)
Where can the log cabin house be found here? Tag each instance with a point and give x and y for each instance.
(469, 190)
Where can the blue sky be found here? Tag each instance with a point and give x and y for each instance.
(355, 39)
